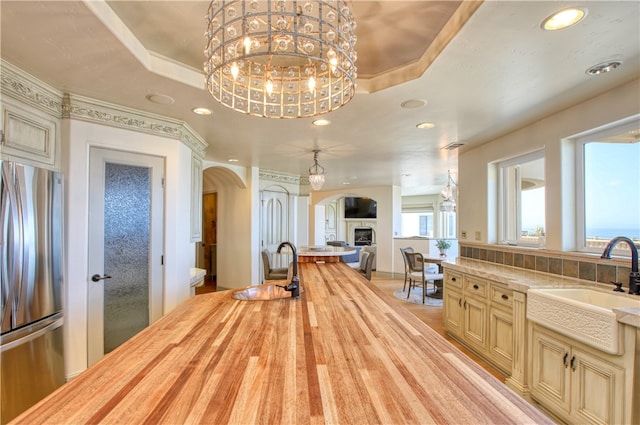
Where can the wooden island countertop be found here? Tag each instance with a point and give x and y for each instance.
(342, 353)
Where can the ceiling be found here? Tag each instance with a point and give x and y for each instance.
(482, 70)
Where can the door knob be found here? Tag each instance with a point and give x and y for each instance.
(97, 277)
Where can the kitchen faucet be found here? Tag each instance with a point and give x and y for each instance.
(294, 285)
(634, 276)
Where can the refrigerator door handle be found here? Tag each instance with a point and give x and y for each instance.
(47, 325)
(11, 272)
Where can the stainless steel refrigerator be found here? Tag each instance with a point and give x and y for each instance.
(31, 282)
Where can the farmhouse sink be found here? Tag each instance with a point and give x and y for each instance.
(580, 313)
(261, 293)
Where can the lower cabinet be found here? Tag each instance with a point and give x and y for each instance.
(479, 314)
(576, 383)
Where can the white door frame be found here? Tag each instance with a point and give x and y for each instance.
(98, 157)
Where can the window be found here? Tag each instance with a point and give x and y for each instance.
(608, 182)
(417, 224)
(522, 200)
(448, 224)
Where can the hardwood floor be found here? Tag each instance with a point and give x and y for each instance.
(432, 316)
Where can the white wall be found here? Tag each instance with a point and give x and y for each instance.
(477, 180)
(78, 137)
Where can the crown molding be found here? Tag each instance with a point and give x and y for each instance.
(25, 88)
(29, 90)
(278, 177)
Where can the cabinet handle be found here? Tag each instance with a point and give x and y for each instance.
(459, 302)
(573, 363)
(453, 279)
(505, 297)
(565, 358)
(475, 286)
(465, 304)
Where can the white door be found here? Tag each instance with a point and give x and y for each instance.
(275, 223)
(125, 276)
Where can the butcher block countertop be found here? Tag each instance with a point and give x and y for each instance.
(342, 353)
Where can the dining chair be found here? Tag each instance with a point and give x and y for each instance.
(366, 263)
(278, 273)
(406, 265)
(418, 273)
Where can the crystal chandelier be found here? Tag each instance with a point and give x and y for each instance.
(316, 173)
(448, 202)
(280, 58)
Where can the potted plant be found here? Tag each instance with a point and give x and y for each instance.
(443, 245)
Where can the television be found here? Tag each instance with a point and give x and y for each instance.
(360, 207)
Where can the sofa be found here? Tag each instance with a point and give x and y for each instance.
(352, 260)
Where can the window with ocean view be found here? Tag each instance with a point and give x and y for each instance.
(609, 173)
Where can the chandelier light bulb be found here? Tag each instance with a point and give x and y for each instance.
(234, 70)
(247, 45)
(312, 83)
(269, 86)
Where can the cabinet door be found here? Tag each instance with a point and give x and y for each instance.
(452, 311)
(29, 134)
(597, 392)
(475, 322)
(550, 377)
(501, 337)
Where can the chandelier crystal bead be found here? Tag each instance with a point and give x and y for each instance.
(281, 58)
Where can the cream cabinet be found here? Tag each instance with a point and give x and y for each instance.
(453, 313)
(29, 135)
(577, 383)
(479, 313)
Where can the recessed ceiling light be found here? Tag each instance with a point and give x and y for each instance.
(232, 160)
(426, 125)
(564, 18)
(162, 99)
(413, 103)
(321, 122)
(602, 68)
(202, 111)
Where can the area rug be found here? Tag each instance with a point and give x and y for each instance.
(416, 297)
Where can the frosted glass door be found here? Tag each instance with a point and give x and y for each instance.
(127, 218)
(125, 247)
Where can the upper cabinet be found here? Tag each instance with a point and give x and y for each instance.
(30, 120)
(29, 135)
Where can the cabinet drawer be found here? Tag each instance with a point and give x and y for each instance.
(475, 287)
(501, 295)
(452, 279)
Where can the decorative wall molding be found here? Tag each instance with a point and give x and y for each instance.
(277, 177)
(92, 110)
(29, 90)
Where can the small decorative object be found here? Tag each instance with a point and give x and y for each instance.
(443, 245)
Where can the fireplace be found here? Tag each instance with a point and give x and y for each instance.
(362, 236)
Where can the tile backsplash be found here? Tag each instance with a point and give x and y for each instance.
(581, 266)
